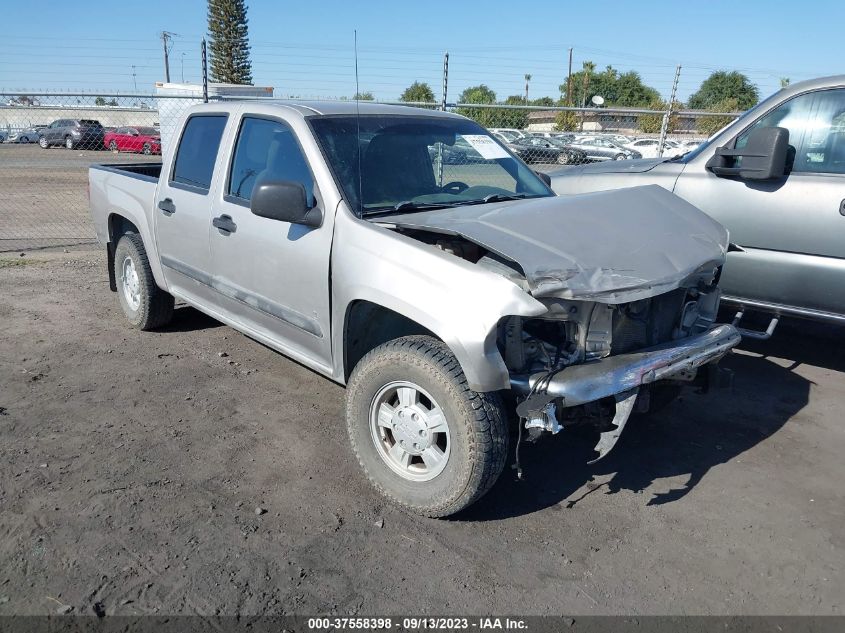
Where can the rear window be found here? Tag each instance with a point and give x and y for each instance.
(90, 122)
(197, 150)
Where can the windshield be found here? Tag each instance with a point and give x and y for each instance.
(422, 162)
(147, 131)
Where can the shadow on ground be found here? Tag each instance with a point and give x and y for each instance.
(188, 319)
(687, 439)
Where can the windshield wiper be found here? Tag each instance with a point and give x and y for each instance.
(407, 205)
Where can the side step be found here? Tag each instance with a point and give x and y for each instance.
(756, 334)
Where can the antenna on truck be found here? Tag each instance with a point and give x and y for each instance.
(358, 131)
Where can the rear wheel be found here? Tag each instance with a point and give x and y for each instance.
(425, 440)
(145, 304)
(147, 149)
(113, 145)
(69, 142)
(563, 158)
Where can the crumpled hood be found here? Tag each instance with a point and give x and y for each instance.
(610, 246)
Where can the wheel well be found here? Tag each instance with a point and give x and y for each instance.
(368, 325)
(118, 226)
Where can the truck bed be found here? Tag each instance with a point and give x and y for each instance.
(126, 189)
(143, 171)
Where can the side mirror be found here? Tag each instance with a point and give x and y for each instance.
(285, 201)
(544, 177)
(764, 156)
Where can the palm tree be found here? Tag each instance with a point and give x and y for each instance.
(527, 80)
(784, 82)
(588, 68)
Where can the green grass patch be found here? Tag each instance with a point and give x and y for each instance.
(12, 262)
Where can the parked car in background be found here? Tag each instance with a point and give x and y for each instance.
(504, 137)
(534, 149)
(29, 135)
(509, 130)
(73, 134)
(648, 148)
(141, 140)
(600, 149)
(775, 178)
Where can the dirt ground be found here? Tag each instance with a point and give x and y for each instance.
(132, 464)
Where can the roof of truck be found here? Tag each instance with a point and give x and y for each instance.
(320, 108)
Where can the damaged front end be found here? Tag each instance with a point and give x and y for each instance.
(591, 363)
(629, 279)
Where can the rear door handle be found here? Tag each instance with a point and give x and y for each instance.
(224, 224)
(167, 206)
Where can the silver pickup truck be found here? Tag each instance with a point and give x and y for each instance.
(436, 293)
(776, 179)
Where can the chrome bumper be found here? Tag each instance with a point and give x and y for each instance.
(613, 375)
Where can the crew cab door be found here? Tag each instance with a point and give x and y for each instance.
(792, 228)
(272, 276)
(182, 209)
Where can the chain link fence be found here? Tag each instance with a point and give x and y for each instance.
(50, 139)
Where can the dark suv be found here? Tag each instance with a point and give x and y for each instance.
(73, 134)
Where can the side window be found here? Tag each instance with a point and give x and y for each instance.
(816, 124)
(197, 150)
(267, 149)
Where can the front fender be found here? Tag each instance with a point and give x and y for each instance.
(458, 301)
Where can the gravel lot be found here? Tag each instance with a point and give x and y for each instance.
(132, 464)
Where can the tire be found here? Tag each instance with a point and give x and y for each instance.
(113, 146)
(23, 139)
(619, 157)
(471, 445)
(69, 142)
(563, 158)
(43, 143)
(147, 150)
(145, 305)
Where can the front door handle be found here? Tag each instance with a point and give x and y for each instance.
(224, 224)
(167, 206)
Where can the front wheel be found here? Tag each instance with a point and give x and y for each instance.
(113, 145)
(425, 440)
(69, 142)
(145, 304)
(147, 150)
(563, 158)
(42, 143)
(619, 157)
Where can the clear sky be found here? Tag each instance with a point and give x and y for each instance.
(305, 48)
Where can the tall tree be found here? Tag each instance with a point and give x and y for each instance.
(363, 96)
(418, 91)
(480, 94)
(625, 90)
(721, 86)
(229, 42)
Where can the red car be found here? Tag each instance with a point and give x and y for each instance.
(144, 140)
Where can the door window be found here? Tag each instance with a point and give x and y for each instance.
(197, 151)
(267, 150)
(816, 124)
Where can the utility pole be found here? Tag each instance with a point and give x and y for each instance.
(569, 81)
(204, 74)
(134, 83)
(166, 37)
(445, 79)
(182, 59)
(666, 117)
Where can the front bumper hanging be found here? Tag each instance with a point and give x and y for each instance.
(621, 376)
